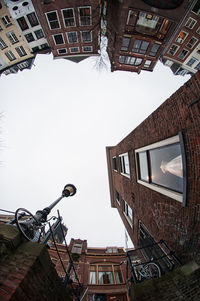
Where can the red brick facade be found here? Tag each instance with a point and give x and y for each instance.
(138, 33)
(90, 264)
(70, 27)
(164, 213)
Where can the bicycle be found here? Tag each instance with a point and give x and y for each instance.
(147, 271)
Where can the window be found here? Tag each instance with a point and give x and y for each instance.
(191, 42)
(39, 34)
(33, 19)
(197, 67)
(190, 23)
(147, 64)
(140, 46)
(132, 17)
(44, 46)
(72, 37)
(77, 247)
(22, 23)
(87, 48)
(86, 36)
(52, 19)
(130, 60)
(1, 28)
(111, 250)
(58, 38)
(10, 55)
(117, 195)
(2, 44)
(68, 17)
(29, 37)
(191, 62)
(114, 163)
(20, 50)
(105, 274)
(124, 164)
(196, 8)
(183, 54)
(147, 23)
(125, 44)
(173, 49)
(62, 51)
(160, 167)
(198, 30)
(12, 37)
(85, 15)
(35, 49)
(6, 21)
(74, 49)
(181, 37)
(154, 49)
(128, 213)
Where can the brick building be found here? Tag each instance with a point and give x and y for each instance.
(182, 54)
(139, 30)
(101, 271)
(154, 174)
(71, 28)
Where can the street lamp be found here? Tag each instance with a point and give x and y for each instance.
(33, 227)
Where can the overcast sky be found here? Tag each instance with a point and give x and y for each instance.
(57, 120)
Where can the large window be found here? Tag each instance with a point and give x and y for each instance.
(124, 164)
(22, 23)
(130, 60)
(105, 274)
(72, 37)
(160, 167)
(140, 46)
(147, 23)
(85, 15)
(33, 19)
(68, 17)
(52, 19)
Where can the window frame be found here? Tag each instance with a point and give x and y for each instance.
(122, 165)
(3, 44)
(198, 14)
(87, 31)
(180, 197)
(192, 45)
(85, 46)
(78, 50)
(79, 16)
(74, 19)
(52, 11)
(182, 58)
(33, 19)
(190, 19)
(57, 34)
(12, 37)
(7, 22)
(101, 267)
(126, 208)
(174, 51)
(72, 32)
(21, 51)
(10, 55)
(62, 49)
(182, 40)
(31, 34)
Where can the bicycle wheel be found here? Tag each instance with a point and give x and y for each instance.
(152, 270)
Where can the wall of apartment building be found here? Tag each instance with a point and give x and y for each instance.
(88, 257)
(118, 28)
(49, 6)
(164, 216)
(189, 29)
(18, 40)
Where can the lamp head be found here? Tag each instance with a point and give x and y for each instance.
(69, 190)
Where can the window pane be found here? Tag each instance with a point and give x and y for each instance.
(29, 37)
(166, 167)
(143, 166)
(39, 34)
(33, 19)
(125, 44)
(58, 39)
(118, 277)
(53, 20)
(68, 15)
(105, 278)
(92, 279)
(22, 23)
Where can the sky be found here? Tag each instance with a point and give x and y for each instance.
(57, 120)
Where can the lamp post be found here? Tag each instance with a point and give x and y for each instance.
(31, 227)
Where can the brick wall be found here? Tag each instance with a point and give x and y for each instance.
(27, 273)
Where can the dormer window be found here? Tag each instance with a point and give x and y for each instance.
(77, 247)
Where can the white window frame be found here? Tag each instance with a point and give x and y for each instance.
(62, 49)
(21, 51)
(11, 55)
(73, 17)
(82, 36)
(80, 17)
(197, 14)
(175, 50)
(68, 38)
(56, 34)
(185, 54)
(114, 157)
(3, 45)
(198, 30)
(193, 44)
(91, 48)
(121, 172)
(7, 20)
(118, 201)
(128, 218)
(52, 11)
(190, 19)
(73, 51)
(12, 37)
(170, 193)
(184, 37)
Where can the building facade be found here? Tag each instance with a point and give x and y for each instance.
(138, 32)
(154, 174)
(182, 54)
(71, 27)
(15, 53)
(101, 271)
